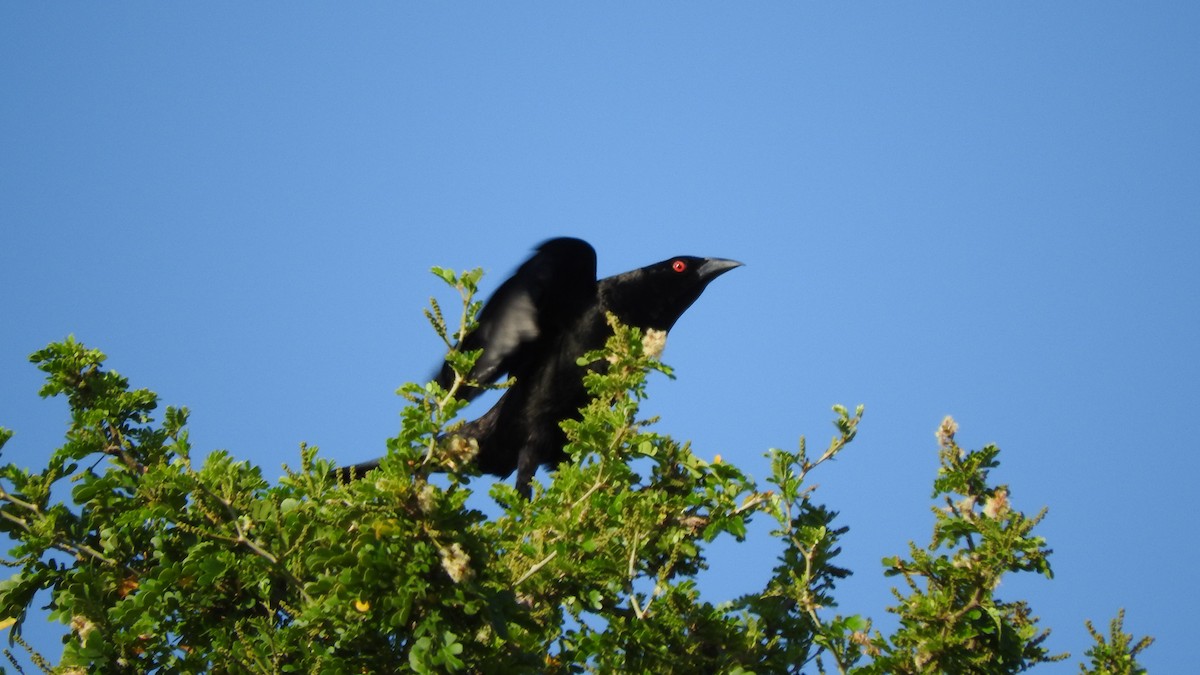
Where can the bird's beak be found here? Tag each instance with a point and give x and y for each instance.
(712, 268)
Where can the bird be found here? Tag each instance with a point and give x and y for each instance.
(535, 328)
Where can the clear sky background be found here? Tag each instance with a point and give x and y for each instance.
(984, 210)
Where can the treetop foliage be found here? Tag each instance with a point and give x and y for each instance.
(155, 561)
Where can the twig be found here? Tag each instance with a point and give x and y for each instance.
(77, 550)
(533, 570)
(633, 601)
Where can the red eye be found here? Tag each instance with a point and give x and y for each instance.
(679, 266)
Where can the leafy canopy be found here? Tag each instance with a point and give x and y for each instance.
(156, 563)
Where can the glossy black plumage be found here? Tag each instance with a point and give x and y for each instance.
(536, 326)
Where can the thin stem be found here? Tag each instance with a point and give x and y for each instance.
(533, 570)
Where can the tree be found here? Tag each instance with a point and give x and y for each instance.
(156, 564)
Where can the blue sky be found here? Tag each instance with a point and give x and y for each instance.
(990, 211)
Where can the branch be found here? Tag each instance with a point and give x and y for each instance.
(633, 601)
(533, 570)
(79, 551)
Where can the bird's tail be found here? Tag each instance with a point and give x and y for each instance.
(346, 474)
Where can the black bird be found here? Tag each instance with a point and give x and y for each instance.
(536, 326)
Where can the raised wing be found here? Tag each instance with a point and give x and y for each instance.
(545, 295)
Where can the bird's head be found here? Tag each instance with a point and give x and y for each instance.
(656, 296)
